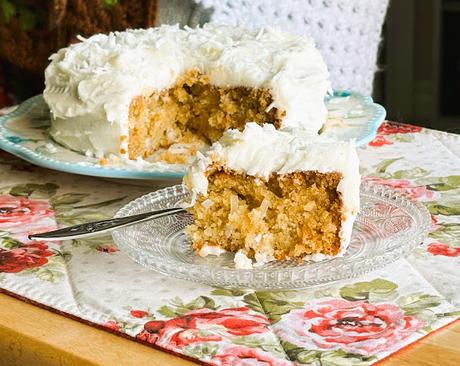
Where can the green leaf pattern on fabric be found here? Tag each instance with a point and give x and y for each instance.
(381, 167)
(403, 138)
(178, 308)
(447, 233)
(252, 301)
(416, 303)
(410, 173)
(202, 350)
(228, 292)
(436, 208)
(363, 290)
(275, 304)
(9, 243)
(67, 199)
(34, 190)
(332, 358)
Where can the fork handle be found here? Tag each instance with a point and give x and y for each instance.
(102, 227)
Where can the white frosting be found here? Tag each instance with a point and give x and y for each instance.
(211, 250)
(94, 137)
(262, 150)
(317, 257)
(242, 261)
(90, 85)
(262, 258)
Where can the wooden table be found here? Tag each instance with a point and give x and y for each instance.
(30, 335)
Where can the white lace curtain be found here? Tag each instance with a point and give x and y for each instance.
(346, 31)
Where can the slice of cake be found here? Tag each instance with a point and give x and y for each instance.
(268, 194)
(167, 92)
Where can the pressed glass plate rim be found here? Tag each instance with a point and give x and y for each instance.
(197, 273)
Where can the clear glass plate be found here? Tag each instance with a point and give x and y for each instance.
(387, 228)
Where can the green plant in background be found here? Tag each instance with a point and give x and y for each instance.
(110, 3)
(8, 10)
(28, 17)
(31, 16)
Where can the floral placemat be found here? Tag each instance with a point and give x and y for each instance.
(353, 322)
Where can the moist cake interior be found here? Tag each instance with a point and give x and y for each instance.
(191, 114)
(296, 214)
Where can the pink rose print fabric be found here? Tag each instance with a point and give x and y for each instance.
(241, 356)
(380, 141)
(358, 321)
(19, 214)
(139, 313)
(24, 257)
(391, 128)
(353, 326)
(112, 325)
(203, 325)
(443, 249)
(19, 217)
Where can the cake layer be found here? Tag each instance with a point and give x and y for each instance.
(98, 78)
(288, 216)
(314, 173)
(193, 113)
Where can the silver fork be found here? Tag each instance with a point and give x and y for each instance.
(103, 226)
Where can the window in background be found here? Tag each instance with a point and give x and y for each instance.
(420, 61)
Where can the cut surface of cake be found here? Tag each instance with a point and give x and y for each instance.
(272, 195)
(167, 92)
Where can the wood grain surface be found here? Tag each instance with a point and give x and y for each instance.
(30, 335)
